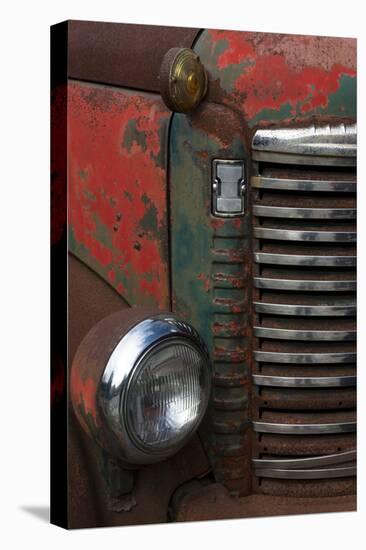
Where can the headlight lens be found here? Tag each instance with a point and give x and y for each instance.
(167, 395)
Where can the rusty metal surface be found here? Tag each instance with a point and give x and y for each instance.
(118, 189)
(280, 78)
(311, 445)
(91, 502)
(211, 280)
(322, 488)
(122, 54)
(212, 502)
(91, 299)
(307, 399)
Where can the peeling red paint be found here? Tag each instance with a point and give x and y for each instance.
(232, 280)
(217, 222)
(272, 89)
(233, 305)
(83, 396)
(117, 189)
(273, 71)
(229, 329)
(234, 254)
(235, 355)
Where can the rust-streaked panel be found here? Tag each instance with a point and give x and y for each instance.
(211, 280)
(118, 189)
(123, 54)
(212, 502)
(280, 77)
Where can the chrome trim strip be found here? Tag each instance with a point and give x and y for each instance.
(325, 140)
(294, 463)
(310, 335)
(325, 473)
(304, 213)
(304, 310)
(282, 184)
(304, 382)
(307, 236)
(304, 358)
(307, 285)
(304, 429)
(292, 259)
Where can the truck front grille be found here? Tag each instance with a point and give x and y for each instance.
(304, 309)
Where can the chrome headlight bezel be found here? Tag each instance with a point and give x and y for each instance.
(122, 365)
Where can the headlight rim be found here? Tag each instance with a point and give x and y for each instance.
(140, 339)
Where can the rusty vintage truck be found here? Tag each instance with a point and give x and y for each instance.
(203, 274)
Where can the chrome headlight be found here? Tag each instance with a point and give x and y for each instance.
(154, 389)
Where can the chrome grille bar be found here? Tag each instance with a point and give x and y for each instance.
(304, 429)
(314, 461)
(304, 260)
(282, 184)
(335, 310)
(324, 473)
(293, 284)
(304, 382)
(331, 145)
(305, 213)
(305, 358)
(307, 236)
(314, 335)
